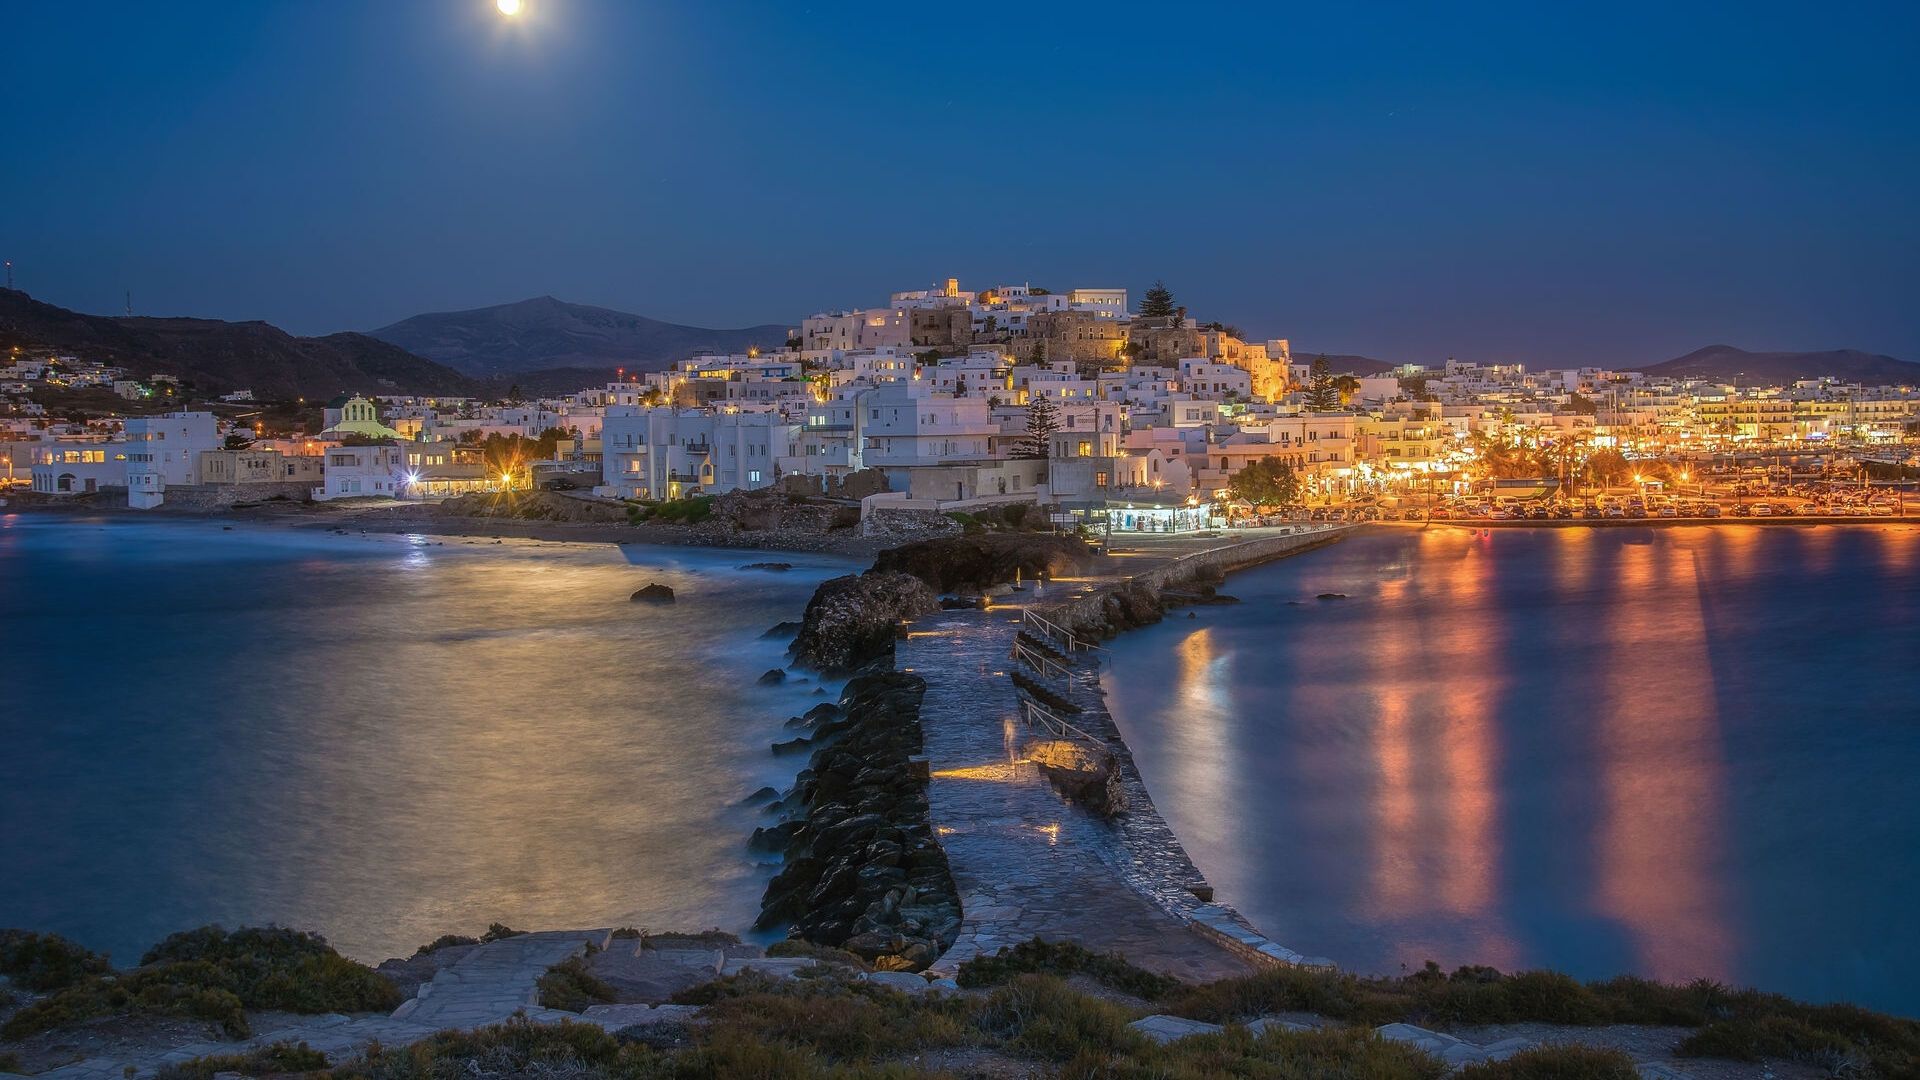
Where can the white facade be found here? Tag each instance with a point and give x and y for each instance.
(371, 471)
(165, 450)
(668, 453)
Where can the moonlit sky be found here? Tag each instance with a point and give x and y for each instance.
(1561, 183)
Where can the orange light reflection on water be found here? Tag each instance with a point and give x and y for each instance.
(1660, 771)
(1438, 843)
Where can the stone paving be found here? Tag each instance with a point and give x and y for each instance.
(1028, 863)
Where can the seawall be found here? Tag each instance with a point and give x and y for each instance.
(1028, 862)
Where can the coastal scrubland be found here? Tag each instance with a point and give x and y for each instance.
(1038, 1009)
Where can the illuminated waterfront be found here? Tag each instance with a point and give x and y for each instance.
(377, 738)
(1678, 752)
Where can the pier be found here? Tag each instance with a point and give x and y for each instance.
(1028, 861)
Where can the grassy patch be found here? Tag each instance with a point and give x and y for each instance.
(706, 939)
(1040, 1016)
(824, 953)
(1556, 1063)
(1470, 995)
(689, 511)
(1065, 958)
(44, 962)
(280, 1059)
(570, 987)
(1739, 1024)
(1277, 1055)
(213, 975)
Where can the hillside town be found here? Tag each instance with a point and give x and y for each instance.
(1114, 416)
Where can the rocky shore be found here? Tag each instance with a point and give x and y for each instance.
(863, 870)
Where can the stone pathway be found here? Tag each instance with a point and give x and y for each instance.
(495, 981)
(1026, 862)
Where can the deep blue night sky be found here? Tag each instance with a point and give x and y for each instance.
(1551, 183)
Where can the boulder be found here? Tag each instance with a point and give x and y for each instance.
(782, 630)
(775, 566)
(654, 593)
(851, 621)
(772, 677)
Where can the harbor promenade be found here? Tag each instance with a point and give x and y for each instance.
(1029, 862)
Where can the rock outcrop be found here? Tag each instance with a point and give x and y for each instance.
(975, 563)
(863, 871)
(654, 593)
(851, 621)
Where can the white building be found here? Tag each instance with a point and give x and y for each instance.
(370, 470)
(668, 453)
(78, 468)
(165, 450)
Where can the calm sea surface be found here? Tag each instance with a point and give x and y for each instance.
(1675, 752)
(380, 738)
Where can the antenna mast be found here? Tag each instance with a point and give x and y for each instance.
(129, 303)
(9, 273)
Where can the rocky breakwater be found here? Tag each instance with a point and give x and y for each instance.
(977, 562)
(863, 870)
(851, 621)
(1140, 602)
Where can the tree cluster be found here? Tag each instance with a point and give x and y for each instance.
(1265, 482)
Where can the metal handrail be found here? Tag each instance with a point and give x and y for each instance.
(1039, 661)
(1048, 666)
(1055, 631)
(1038, 716)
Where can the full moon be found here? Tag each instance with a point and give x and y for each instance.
(508, 7)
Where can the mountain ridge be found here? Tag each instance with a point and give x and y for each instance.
(1732, 364)
(218, 356)
(543, 333)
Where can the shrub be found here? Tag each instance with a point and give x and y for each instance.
(1065, 958)
(705, 939)
(43, 962)
(627, 932)
(1556, 1063)
(689, 511)
(844, 1020)
(1275, 1055)
(278, 1059)
(445, 941)
(213, 975)
(499, 932)
(570, 987)
(1040, 1016)
(824, 953)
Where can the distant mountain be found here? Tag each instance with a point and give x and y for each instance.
(220, 356)
(1727, 364)
(1343, 364)
(545, 333)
